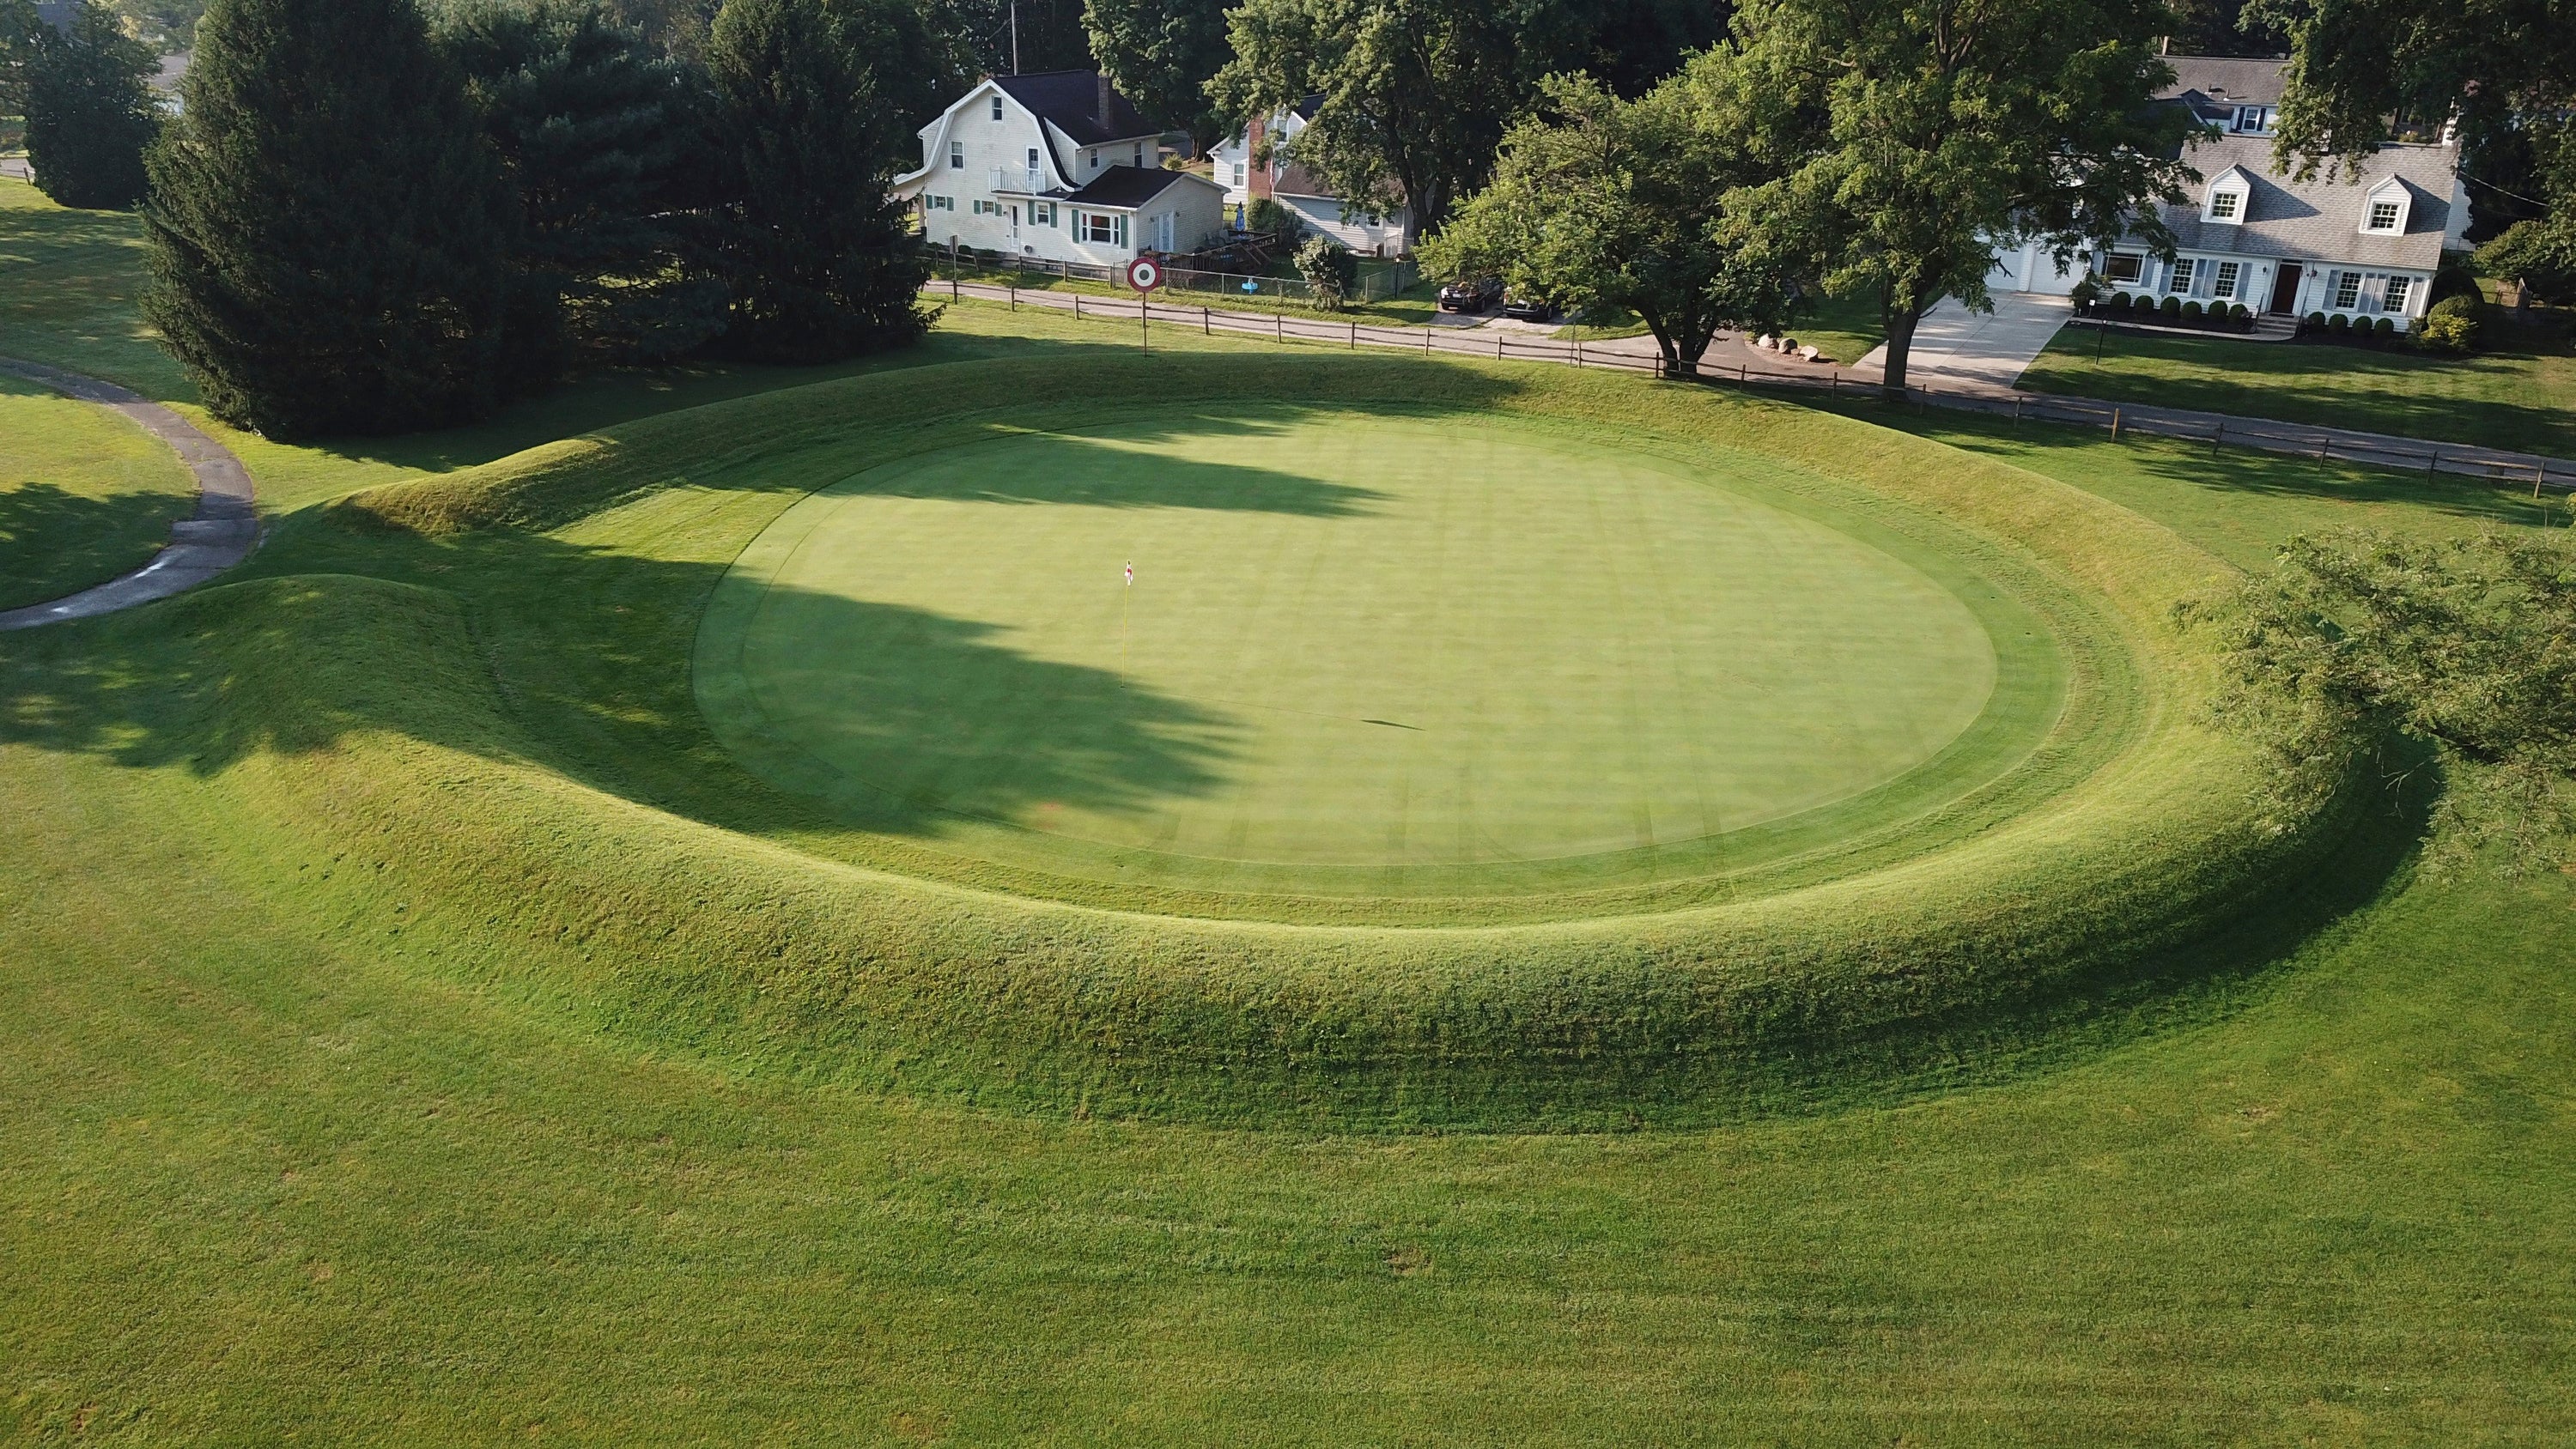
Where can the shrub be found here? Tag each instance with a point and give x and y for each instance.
(2191, 311)
(2317, 320)
(2121, 302)
(89, 115)
(1266, 217)
(1330, 269)
(2169, 308)
(2451, 326)
(2383, 328)
(2237, 313)
(2338, 323)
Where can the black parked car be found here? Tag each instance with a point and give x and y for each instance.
(1471, 296)
(1529, 309)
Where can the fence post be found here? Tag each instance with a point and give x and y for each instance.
(2323, 445)
(1578, 354)
(1355, 336)
(1498, 347)
(2217, 435)
(2016, 412)
(1743, 375)
(1426, 341)
(1279, 325)
(2539, 474)
(1207, 323)
(2115, 425)
(2431, 463)
(1077, 304)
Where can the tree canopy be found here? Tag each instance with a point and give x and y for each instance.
(2467, 645)
(607, 144)
(1162, 54)
(1612, 205)
(329, 231)
(1911, 138)
(90, 115)
(820, 263)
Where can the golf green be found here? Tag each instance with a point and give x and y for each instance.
(1351, 643)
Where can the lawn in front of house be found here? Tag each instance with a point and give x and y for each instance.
(2520, 393)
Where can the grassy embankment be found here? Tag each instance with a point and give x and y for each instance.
(284, 1167)
(2518, 391)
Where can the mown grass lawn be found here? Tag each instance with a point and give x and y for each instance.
(276, 1168)
(2518, 393)
(84, 494)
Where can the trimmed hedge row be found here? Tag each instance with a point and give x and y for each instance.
(689, 936)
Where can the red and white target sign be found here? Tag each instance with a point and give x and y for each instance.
(1144, 274)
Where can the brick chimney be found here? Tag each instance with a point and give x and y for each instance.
(1102, 77)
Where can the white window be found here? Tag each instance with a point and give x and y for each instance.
(2182, 272)
(1239, 173)
(988, 208)
(2347, 292)
(2383, 216)
(2223, 203)
(2126, 266)
(939, 203)
(1100, 227)
(2254, 120)
(956, 155)
(1140, 155)
(2394, 299)
(2224, 284)
(997, 108)
(1041, 213)
(1033, 158)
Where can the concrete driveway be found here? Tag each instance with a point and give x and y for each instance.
(1968, 351)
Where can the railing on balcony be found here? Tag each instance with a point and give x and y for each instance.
(1027, 180)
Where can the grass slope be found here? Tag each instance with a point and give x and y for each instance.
(2518, 394)
(84, 494)
(274, 1171)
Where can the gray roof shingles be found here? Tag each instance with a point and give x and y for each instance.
(1125, 187)
(2319, 220)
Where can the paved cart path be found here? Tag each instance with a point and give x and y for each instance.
(220, 534)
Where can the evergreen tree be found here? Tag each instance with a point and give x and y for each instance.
(18, 26)
(821, 264)
(606, 144)
(329, 230)
(89, 114)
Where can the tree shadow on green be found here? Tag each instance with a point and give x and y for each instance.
(54, 541)
(1013, 466)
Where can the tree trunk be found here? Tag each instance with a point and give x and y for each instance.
(1900, 343)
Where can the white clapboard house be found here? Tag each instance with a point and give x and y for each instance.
(1055, 167)
(2362, 245)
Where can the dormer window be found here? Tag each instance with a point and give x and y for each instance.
(956, 155)
(2229, 195)
(997, 108)
(2253, 120)
(2383, 211)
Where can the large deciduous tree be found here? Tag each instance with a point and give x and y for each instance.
(822, 265)
(1918, 134)
(329, 230)
(90, 115)
(1606, 204)
(606, 142)
(1162, 54)
(1416, 93)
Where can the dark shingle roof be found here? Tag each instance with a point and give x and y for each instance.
(2221, 82)
(2319, 220)
(1070, 101)
(1127, 186)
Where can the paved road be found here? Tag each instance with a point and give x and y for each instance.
(222, 532)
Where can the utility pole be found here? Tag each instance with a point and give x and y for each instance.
(1015, 37)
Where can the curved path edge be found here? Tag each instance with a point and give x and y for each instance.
(221, 533)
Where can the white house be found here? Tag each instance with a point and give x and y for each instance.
(1055, 167)
(1316, 205)
(2364, 246)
